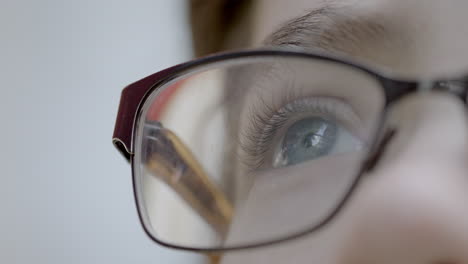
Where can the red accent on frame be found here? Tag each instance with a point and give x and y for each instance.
(161, 101)
(130, 99)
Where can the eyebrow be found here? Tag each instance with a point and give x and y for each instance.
(330, 28)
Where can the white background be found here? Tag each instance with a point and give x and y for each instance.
(65, 192)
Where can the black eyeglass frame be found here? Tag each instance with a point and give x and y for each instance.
(135, 95)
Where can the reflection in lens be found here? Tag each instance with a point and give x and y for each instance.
(177, 167)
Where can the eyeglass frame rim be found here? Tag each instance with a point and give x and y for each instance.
(134, 96)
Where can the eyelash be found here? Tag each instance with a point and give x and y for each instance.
(266, 119)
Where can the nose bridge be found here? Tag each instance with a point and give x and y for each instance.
(429, 147)
(428, 125)
(412, 206)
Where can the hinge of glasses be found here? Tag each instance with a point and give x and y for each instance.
(122, 148)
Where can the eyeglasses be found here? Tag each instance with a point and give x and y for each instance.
(251, 148)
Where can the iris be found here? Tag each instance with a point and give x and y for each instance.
(308, 139)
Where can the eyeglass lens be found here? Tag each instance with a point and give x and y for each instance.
(252, 150)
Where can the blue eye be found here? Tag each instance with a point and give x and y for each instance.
(311, 138)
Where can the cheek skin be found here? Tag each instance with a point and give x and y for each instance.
(411, 222)
(289, 200)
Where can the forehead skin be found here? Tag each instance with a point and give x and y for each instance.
(425, 38)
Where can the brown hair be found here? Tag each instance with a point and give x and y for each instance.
(213, 23)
